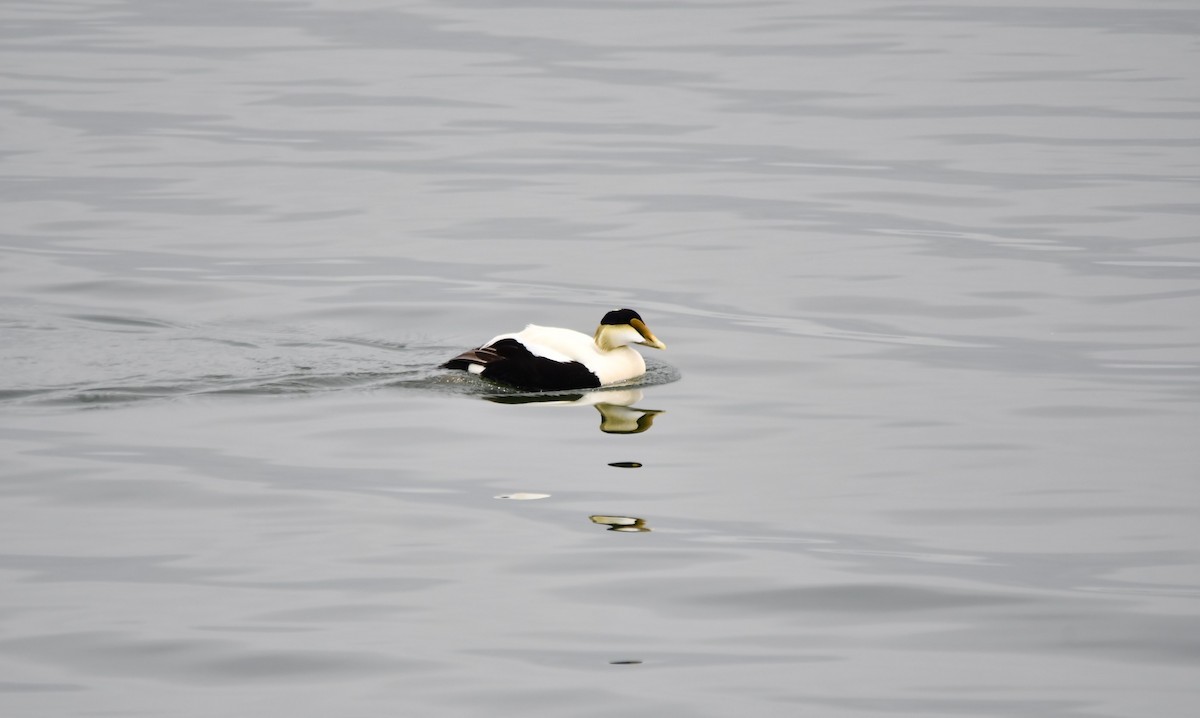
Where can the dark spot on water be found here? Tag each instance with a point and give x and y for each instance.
(627, 464)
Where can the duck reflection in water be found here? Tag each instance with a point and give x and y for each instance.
(618, 415)
(626, 524)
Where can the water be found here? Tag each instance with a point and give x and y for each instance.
(923, 442)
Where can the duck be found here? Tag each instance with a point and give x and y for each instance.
(555, 359)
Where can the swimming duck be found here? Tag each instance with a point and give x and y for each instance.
(549, 358)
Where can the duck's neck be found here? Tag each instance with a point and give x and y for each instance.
(609, 337)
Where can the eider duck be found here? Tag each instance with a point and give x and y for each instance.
(553, 359)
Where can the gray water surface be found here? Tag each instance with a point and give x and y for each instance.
(924, 441)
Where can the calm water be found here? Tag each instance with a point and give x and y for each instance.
(924, 442)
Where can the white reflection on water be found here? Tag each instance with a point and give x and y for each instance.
(618, 415)
(930, 275)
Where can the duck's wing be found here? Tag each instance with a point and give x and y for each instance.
(517, 345)
(509, 361)
(480, 356)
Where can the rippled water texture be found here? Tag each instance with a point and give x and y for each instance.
(924, 441)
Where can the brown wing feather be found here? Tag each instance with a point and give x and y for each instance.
(480, 355)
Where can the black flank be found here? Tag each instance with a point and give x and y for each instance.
(508, 361)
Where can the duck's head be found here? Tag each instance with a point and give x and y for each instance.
(622, 327)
